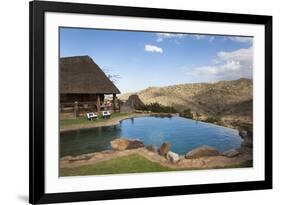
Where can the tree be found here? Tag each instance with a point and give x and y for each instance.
(112, 77)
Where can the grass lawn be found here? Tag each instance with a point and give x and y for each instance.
(84, 120)
(128, 164)
(131, 164)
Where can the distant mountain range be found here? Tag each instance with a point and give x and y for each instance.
(230, 100)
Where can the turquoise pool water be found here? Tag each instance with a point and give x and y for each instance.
(183, 134)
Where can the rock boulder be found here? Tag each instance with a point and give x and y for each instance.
(243, 134)
(247, 136)
(231, 153)
(173, 157)
(164, 149)
(134, 102)
(122, 144)
(203, 151)
(247, 142)
(151, 148)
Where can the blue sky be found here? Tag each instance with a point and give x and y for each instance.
(144, 59)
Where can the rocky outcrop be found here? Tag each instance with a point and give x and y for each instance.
(242, 160)
(231, 153)
(173, 157)
(134, 102)
(164, 149)
(243, 134)
(203, 151)
(247, 136)
(123, 144)
(151, 148)
(247, 143)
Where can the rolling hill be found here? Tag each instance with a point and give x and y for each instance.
(230, 100)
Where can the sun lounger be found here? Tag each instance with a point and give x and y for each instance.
(106, 114)
(91, 116)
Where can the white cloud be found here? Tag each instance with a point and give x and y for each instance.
(152, 48)
(162, 36)
(227, 66)
(210, 38)
(198, 37)
(241, 39)
(244, 54)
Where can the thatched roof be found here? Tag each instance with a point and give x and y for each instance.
(80, 74)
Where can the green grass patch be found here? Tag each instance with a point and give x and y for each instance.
(84, 120)
(128, 164)
(132, 164)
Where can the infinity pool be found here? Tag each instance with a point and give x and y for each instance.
(183, 134)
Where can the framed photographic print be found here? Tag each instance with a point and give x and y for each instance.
(140, 102)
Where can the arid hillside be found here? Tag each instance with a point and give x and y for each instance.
(231, 101)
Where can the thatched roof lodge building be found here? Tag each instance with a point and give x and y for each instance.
(83, 84)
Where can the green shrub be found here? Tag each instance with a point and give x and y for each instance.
(213, 119)
(187, 113)
(156, 107)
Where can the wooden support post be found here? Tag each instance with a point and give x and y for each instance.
(98, 103)
(76, 109)
(114, 102)
(61, 107)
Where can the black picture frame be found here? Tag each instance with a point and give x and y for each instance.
(37, 9)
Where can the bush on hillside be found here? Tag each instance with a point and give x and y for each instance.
(187, 113)
(213, 119)
(156, 107)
